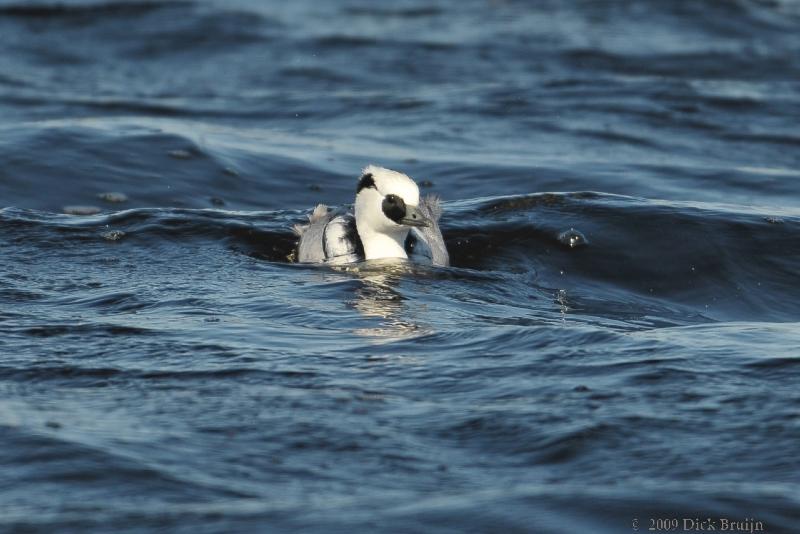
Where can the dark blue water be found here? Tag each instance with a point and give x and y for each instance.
(165, 367)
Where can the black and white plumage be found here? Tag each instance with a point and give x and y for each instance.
(388, 220)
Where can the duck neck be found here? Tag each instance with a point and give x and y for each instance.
(378, 245)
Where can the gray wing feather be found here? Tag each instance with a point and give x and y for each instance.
(428, 243)
(340, 241)
(310, 249)
(329, 236)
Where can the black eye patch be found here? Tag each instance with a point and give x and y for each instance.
(394, 208)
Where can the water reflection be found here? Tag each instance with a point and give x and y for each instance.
(379, 298)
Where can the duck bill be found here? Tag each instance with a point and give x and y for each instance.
(414, 218)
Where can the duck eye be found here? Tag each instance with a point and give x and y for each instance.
(391, 199)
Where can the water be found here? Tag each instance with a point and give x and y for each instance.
(616, 341)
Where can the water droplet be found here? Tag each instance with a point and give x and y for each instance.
(573, 238)
(561, 300)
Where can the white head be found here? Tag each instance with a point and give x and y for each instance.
(386, 209)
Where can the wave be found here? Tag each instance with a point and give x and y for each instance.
(722, 259)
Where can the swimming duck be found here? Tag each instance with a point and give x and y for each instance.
(388, 220)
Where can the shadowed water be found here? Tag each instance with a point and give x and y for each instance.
(616, 338)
